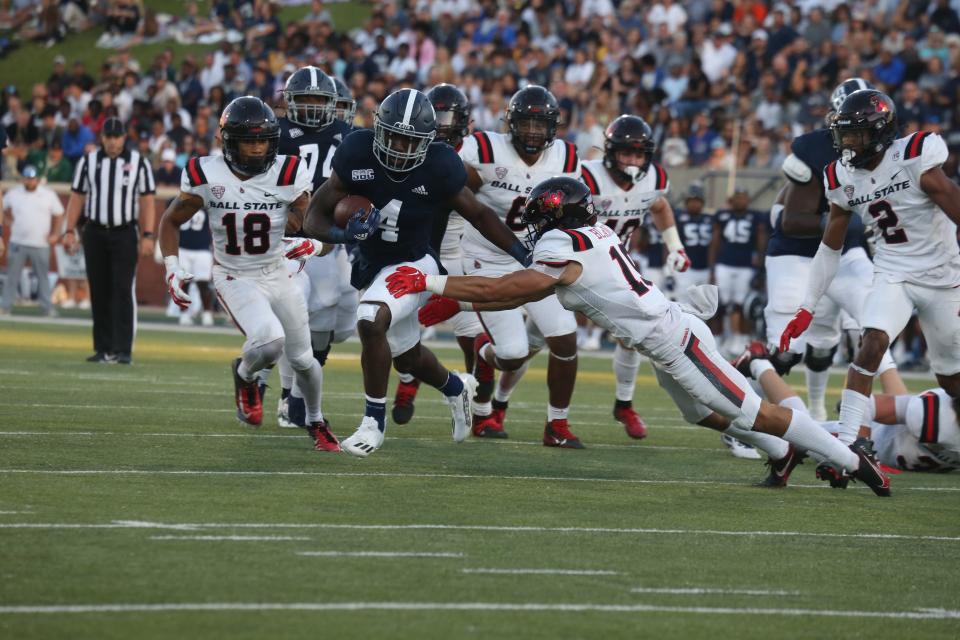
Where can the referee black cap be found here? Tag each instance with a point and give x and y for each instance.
(113, 127)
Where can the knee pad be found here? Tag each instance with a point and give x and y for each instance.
(784, 361)
(818, 359)
(367, 311)
(301, 361)
(264, 355)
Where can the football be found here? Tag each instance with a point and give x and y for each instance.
(347, 207)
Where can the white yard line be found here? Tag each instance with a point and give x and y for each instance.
(546, 572)
(699, 591)
(380, 554)
(139, 524)
(230, 538)
(451, 476)
(919, 614)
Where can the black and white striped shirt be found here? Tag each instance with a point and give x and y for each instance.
(113, 186)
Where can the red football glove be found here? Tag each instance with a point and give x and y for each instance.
(795, 328)
(301, 248)
(406, 280)
(438, 309)
(177, 283)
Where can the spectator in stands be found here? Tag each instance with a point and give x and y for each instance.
(168, 173)
(57, 167)
(76, 139)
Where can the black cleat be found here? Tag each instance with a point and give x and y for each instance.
(869, 472)
(829, 473)
(781, 469)
(102, 357)
(124, 358)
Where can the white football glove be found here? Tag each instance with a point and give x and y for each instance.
(301, 249)
(677, 261)
(177, 282)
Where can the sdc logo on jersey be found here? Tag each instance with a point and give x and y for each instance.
(362, 174)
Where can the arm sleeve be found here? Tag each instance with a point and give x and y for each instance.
(80, 176)
(145, 183)
(934, 152)
(822, 270)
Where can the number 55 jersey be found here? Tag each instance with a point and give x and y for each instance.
(247, 217)
(916, 242)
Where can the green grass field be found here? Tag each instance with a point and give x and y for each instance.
(134, 505)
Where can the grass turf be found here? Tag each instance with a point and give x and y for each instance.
(156, 445)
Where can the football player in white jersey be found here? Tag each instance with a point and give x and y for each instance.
(251, 195)
(626, 184)
(453, 125)
(584, 265)
(898, 187)
(502, 169)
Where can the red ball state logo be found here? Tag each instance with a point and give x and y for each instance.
(880, 104)
(552, 200)
(218, 190)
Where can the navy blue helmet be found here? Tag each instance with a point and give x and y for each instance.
(345, 106)
(403, 128)
(311, 95)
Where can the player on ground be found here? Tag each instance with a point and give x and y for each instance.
(453, 125)
(251, 194)
(627, 184)
(502, 169)
(584, 265)
(311, 131)
(410, 182)
(897, 185)
(797, 220)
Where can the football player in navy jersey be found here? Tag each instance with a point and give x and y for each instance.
(312, 131)
(196, 256)
(794, 239)
(410, 182)
(696, 232)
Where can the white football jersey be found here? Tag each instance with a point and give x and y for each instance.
(916, 242)
(610, 291)
(623, 211)
(247, 217)
(507, 181)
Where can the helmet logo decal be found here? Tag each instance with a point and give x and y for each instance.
(553, 199)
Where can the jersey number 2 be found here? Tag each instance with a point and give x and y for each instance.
(256, 233)
(887, 221)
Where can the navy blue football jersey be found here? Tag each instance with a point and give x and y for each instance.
(816, 150)
(408, 202)
(314, 146)
(654, 249)
(696, 232)
(195, 232)
(738, 236)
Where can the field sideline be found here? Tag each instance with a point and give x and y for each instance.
(134, 503)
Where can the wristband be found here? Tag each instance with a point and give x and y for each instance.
(435, 284)
(466, 306)
(671, 239)
(147, 235)
(172, 263)
(337, 235)
(518, 252)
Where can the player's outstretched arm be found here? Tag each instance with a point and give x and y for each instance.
(943, 191)
(180, 210)
(488, 224)
(663, 220)
(318, 221)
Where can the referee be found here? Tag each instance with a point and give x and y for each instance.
(113, 189)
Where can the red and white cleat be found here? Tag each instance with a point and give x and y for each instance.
(323, 438)
(632, 423)
(557, 433)
(247, 396)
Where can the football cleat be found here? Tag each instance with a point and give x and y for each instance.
(557, 433)
(754, 350)
(461, 407)
(739, 449)
(365, 440)
(829, 473)
(781, 469)
(488, 427)
(632, 423)
(247, 396)
(869, 472)
(403, 401)
(323, 438)
(283, 418)
(102, 357)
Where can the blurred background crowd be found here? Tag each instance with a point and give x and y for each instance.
(722, 82)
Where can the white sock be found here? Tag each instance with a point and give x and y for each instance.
(482, 409)
(596, 332)
(853, 409)
(817, 388)
(794, 403)
(508, 382)
(310, 382)
(626, 363)
(758, 367)
(406, 378)
(286, 373)
(553, 413)
(773, 446)
(805, 434)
